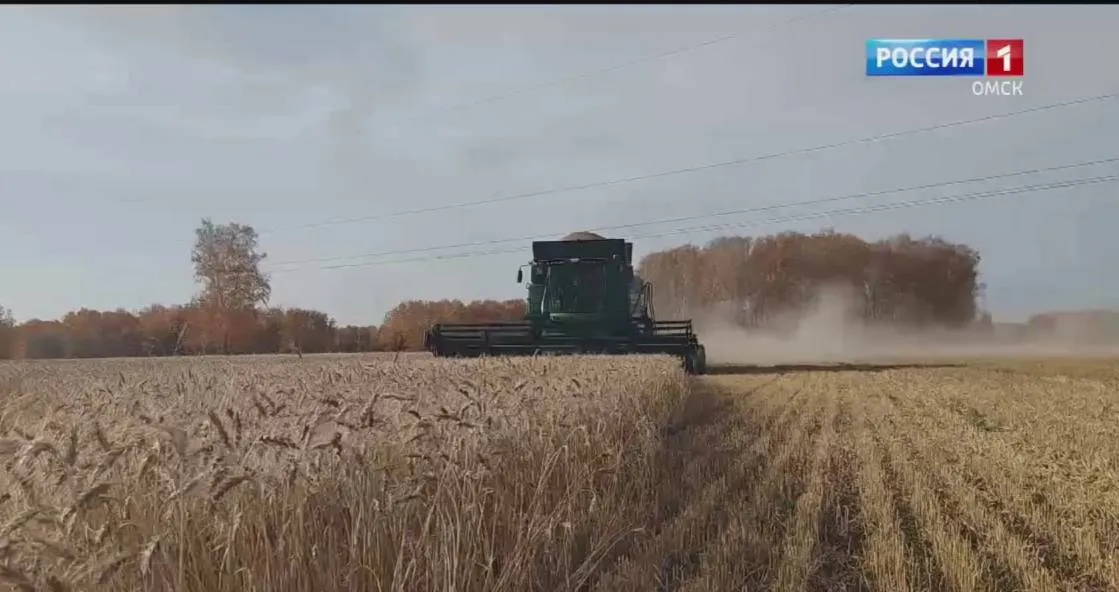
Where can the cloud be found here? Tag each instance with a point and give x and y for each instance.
(239, 62)
(124, 125)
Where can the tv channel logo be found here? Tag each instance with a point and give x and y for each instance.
(1006, 57)
(945, 57)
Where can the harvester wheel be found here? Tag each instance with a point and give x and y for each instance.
(696, 361)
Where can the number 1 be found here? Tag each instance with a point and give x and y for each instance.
(1004, 53)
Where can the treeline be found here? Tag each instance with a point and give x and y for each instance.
(899, 280)
(404, 326)
(197, 330)
(230, 315)
(757, 280)
(1081, 326)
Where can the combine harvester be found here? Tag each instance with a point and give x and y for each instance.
(583, 298)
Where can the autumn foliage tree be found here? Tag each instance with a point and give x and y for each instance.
(899, 281)
(7, 333)
(227, 264)
(1081, 326)
(160, 330)
(306, 330)
(755, 280)
(404, 326)
(227, 316)
(230, 315)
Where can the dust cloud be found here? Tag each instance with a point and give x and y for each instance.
(830, 331)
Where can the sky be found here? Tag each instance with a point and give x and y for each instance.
(324, 126)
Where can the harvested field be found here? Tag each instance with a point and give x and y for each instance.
(361, 473)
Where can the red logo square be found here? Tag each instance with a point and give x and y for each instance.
(1006, 57)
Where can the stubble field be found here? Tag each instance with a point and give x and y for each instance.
(364, 473)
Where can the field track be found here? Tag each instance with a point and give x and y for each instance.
(953, 478)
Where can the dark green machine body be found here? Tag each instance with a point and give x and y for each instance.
(583, 298)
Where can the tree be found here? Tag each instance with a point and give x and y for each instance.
(759, 280)
(7, 333)
(307, 331)
(227, 264)
(404, 325)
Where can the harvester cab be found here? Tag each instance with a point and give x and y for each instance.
(583, 297)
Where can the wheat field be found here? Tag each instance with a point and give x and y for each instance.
(364, 473)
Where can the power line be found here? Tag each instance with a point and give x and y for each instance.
(750, 210)
(966, 197)
(703, 167)
(764, 27)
